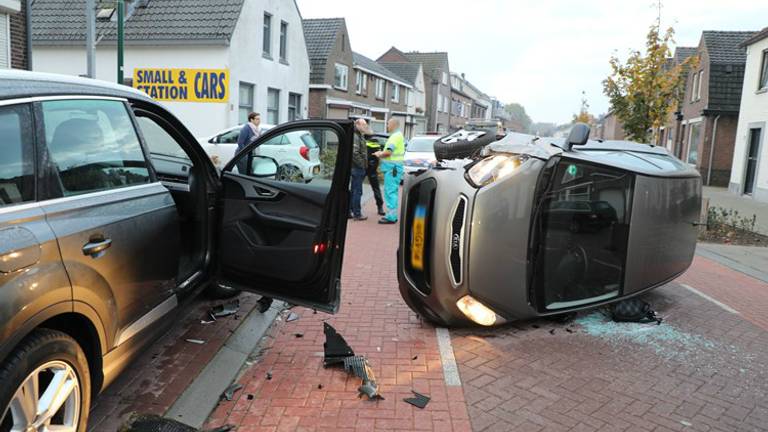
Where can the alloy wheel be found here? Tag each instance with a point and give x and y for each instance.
(48, 400)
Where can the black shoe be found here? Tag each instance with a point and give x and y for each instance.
(360, 218)
(381, 211)
(385, 221)
(264, 304)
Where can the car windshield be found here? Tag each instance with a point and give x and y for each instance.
(421, 145)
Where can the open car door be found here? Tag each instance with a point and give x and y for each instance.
(283, 216)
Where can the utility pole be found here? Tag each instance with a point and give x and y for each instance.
(90, 37)
(120, 39)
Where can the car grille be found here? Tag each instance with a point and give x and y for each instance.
(421, 199)
(456, 240)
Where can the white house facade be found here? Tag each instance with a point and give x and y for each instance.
(749, 173)
(255, 49)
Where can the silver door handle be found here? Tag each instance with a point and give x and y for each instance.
(97, 249)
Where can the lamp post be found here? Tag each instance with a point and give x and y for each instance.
(120, 39)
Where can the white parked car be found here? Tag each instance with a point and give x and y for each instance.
(297, 153)
(420, 153)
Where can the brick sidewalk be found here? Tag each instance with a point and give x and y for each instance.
(403, 352)
(161, 374)
(703, 369)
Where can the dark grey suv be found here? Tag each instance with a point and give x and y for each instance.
(112, 216)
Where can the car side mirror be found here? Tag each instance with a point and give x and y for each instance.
(579, 136)
(263, 166)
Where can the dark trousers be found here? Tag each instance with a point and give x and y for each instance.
(373, 177)
(358, 174)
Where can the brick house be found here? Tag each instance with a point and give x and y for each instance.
(343, 83)
(437, 83)
(412, 73)
(610, 128)
(749, 173)
(669, 135)
(14, 28)
(461, 102)
(710, 108)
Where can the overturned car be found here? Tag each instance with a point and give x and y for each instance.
(529, 227)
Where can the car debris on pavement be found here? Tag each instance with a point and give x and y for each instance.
(338, 351)
(196, 341)
(223, 310)
(419, 401)
(229, 393)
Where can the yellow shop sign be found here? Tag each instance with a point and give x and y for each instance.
(183, 85)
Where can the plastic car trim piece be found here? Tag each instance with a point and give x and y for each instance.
(145, 321)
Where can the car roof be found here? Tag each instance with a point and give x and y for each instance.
(16, 84)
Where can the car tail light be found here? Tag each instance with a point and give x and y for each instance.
(304, 152)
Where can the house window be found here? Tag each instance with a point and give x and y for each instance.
(445, 78)
(365, 84)
(273, 106)
(359, 82)
(395, 93)
(267, 47)
(694, 136)
(283, 40)
(763, 84)
(5, 43)
(340, 77)
(245, 101)
(294, 106)
(701, 84)
(695, 86)
(381, 88)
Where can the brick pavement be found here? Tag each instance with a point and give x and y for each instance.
(157, 377)
(403, 353)
(703, 369)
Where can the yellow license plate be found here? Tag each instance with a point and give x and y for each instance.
(417, 238)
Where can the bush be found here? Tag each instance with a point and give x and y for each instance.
(719, 218)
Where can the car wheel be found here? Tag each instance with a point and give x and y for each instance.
(290, 173)
(461, 144)
(46, 385)
(218, 292)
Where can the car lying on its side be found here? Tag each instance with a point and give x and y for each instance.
(112, 217)
(540, 226)
(297, 154)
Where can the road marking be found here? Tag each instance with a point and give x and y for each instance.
(701, 294)
(450, 369)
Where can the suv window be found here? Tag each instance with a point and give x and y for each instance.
(17, 180)
(93, 145)
(158, 140)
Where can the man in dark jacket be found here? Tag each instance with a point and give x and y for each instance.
(359, 165)
(248, 133)
(372, 172)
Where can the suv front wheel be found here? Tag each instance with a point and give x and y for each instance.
(46, 385)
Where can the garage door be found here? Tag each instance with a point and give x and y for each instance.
(5, 55)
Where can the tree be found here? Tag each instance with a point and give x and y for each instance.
(644, 90)
(519, 115)
(584, 116)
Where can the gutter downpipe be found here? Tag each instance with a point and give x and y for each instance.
(28, 28)
(712, 150)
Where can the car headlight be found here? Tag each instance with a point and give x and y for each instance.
(493, 168)
(476, 311)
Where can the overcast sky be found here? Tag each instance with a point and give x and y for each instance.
(540, 53)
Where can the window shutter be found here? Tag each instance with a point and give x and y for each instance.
(5, 54)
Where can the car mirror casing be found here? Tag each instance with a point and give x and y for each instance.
(263, 166)
(579, 135)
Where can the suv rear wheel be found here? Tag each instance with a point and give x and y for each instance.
(46, 385)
